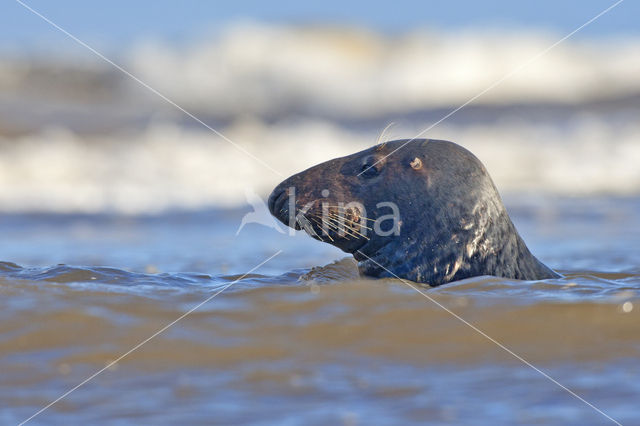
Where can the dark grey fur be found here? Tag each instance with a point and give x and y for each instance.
(453, 222)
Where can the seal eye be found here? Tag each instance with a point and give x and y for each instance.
(369, 170)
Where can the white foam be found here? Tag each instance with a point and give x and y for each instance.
(167, 166)
(261, 74)
(266, 70)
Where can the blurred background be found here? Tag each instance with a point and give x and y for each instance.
(297, 84)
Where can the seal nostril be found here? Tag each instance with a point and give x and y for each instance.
(271, 201)
(276, 202)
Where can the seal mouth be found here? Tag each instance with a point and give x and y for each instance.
(342, 227)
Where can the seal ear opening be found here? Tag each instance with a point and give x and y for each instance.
(416, 164)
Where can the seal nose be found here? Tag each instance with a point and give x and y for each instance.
(277, 203)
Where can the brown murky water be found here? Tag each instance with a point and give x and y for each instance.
(292, 345)
(290, 349)
(296, 342)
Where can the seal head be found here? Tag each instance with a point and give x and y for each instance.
(429, 213)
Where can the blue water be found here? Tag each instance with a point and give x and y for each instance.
(303, 340)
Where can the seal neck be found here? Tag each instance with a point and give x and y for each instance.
(493, 248)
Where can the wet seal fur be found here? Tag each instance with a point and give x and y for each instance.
(453, 224)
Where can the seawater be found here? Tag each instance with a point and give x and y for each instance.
(304, 339)
(119, 215)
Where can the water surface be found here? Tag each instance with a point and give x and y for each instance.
(303, 339)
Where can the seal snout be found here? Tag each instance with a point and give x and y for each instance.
(279, 205)
(276, 200)
(337, 222)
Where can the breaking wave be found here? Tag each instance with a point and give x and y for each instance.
(81, 136)
(167, 166)
(269, 71)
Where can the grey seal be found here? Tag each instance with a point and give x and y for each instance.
(448, 223)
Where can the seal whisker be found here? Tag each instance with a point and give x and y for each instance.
(369, 219)
(347, 227)
(349, 230)
(382, 135)
(339, 227)
(321, 224)
(343, 232)
(344, 218)
(323, 221)
(341, 209)
(354, 222)
(304, 223)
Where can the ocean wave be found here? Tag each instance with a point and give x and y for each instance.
(168, 166)
(271, 70)
(79, 136)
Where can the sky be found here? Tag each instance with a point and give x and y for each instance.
(118, 23)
